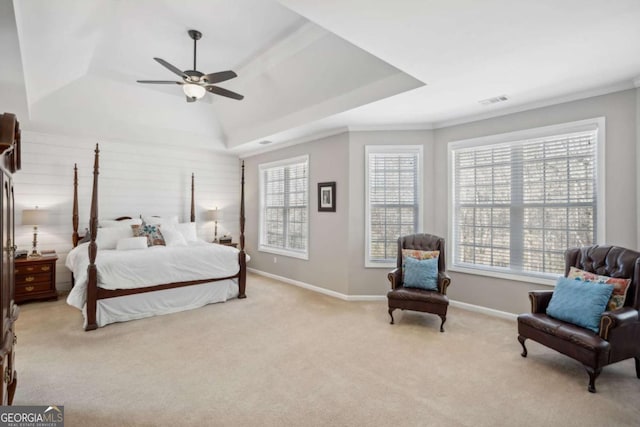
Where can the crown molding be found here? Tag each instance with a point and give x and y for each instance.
(391, 127)
(617, 87)
(249, 152)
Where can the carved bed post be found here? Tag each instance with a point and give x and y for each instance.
(193, 205)
(74, 236)
(92, 284)
(242, 259)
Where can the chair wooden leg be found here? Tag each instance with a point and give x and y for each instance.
(444, 319)
(11, 390)
(391, 314)
(593, 374)
(522, 339)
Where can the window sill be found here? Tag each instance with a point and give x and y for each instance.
(550, 281)
(388, 266)
(284, 252)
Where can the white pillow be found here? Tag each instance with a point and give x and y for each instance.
(108, 223)
(129, 243)
(107, 238)
(173, 237)
(188, 231)
(164, 221)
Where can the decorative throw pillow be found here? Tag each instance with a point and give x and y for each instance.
(164, 221)
(419, 255)
(107, 238)
(421, 274)
(151, 232)
(131, 243)
(620, 286)
(414, 253)
(188, 231)
(580, 304)
(173, 237)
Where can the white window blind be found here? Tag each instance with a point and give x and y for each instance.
(284, 195)
(518, 206)
(393, 200)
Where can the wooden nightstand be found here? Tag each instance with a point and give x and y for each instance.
(36, 278)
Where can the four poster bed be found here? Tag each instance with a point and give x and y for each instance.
(113, 285)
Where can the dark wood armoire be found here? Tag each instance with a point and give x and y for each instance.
(9, 163)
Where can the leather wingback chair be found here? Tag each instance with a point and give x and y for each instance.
(619, 335)
(415, 299)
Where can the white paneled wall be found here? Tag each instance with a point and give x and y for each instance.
(135, 178)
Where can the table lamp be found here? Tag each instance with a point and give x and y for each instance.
(215, 215)
(34, 217)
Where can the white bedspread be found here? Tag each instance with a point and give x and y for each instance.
(152, 266)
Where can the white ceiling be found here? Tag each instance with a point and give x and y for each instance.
(307, 66)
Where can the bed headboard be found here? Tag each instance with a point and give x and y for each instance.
(76, 237)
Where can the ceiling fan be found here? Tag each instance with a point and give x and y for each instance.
(194, 83)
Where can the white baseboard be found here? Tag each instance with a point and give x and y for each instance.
(319, 289)
(483, 310)
(458, 304)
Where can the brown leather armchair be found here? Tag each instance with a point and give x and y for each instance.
(414, 299)
(619, 335)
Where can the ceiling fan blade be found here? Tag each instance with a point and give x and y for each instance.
(190, 99)
(160, 82)
(224, 92)
(220, 76)
(171, 68)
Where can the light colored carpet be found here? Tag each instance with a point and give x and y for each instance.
(290, 357)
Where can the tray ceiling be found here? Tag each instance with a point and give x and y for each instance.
(306, 66)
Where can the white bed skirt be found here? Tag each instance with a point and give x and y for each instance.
(138, 306)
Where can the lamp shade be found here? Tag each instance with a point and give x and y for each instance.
(214, 215)
(193, 91)
(34, 216)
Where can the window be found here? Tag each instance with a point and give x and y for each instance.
(284, 207)
(520, 200)
(394, 196)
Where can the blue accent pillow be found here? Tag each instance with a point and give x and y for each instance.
(578, 302)
(421, 274)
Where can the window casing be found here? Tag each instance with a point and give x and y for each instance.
(284, 207)
(393, 200)
(520, 200)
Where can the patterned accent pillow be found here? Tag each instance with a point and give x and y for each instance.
(419, 255)
(151, 232)
(620, 286)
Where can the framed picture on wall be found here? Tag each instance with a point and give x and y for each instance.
(326, 196)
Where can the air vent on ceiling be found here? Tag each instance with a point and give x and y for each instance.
(494, 100)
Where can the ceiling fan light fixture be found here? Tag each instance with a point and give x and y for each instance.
(193, 91)
(194, 83)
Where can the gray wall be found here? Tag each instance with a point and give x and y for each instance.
(328, 231)
(619, 110)
(373, 281)
(336, 251)
(336, 257)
